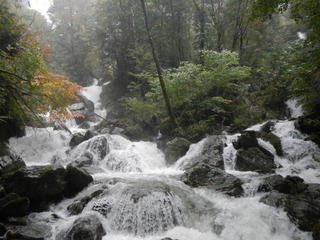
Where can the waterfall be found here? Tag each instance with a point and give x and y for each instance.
(136, 196)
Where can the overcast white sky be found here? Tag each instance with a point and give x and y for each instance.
(41, 6)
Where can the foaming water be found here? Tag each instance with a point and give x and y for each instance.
(295, 108)
(229, 153)
(298, 153)
(136, 196)
(40, 145)
(247, 218)
(93, 93)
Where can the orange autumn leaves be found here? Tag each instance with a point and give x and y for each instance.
(58, 93)
(53, 92)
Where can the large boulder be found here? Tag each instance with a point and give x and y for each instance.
(288, 185)
(302, 207)
(85, 228)
(246, 140)
(273, 182)
(274, 140)
(12, 205)
(10, 163)
(144, 208)
(45, 185)
(79, 204)
(205, 175)
(77, 179)
(41, 184)
(19, 236)
(254, 159)
(83, 161)
(78, 138)
(98, 146)
(175, 149)
(94, 149)
(209, 152)
(268, 126)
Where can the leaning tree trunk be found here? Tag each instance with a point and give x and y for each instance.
(157, 63)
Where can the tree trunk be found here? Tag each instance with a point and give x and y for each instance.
(157, 63)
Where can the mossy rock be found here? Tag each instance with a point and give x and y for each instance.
(208, 176)
(77, 179)
(247, 140)
(12, 205)
(274, 140)
(43, 185)
(77, 206)
(254, 159)
(175, 149)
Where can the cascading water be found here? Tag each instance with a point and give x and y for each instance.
(136, 196)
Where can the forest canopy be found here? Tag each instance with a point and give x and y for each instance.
(226, 64)
(27, 87)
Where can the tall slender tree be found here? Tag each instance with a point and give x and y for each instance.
(159, 71)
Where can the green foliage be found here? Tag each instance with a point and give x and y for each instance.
(74, 50)
(304, 60)
(27, 87)
(202, 96)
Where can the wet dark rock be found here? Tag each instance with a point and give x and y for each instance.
(274, 140)
(86, 228)
(100, 147)
(274, 182)
(247, 140)
(175, 149)
(83, 161)
(208, 176)
(78, 138)
(308, 124)
(267, 127)
(3, 229)
(302, 207)
(10, 163)
(288, 185)
(41, 184)
(254, 159)
(17, 221)
(77, 180)
(211, 153)
(12, 205)
(44, 185)
(19, 236)
(84, 125)
(78, 206)
(89, 134)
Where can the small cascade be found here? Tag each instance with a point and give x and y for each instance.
(93, 93)
(298, 153)
(114, 153)
(142, 209)
(40, 145)
(229, 153)
(295, 108)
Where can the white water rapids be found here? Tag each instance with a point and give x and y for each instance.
(143, 198)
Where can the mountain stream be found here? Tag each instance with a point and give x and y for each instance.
(138, 197)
